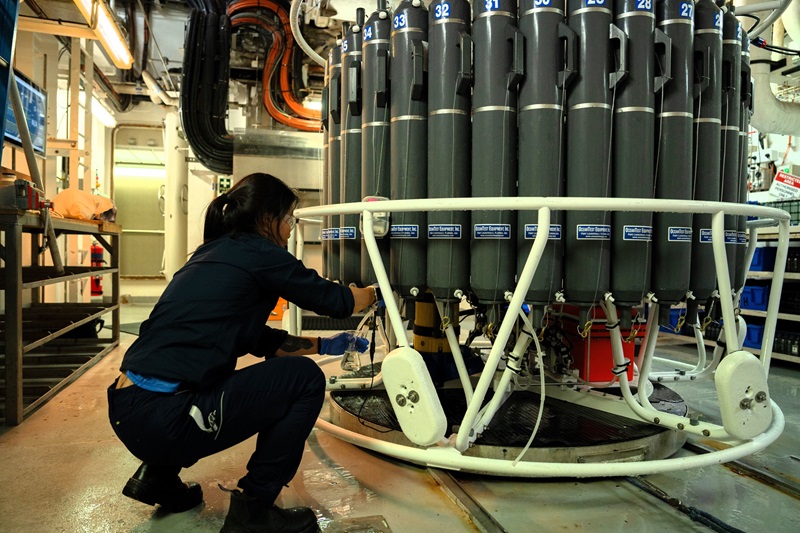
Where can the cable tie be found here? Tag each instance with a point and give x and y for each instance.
(621, 369)
(517, 371)
(615, 325)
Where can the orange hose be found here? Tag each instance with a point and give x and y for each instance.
(272, 109)
(288, 96)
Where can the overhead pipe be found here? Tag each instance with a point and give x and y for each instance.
(791, 21)
(767, 22)
(158, 91)
(770, 115)
(294, 14)
(146, 18)
(752, 7)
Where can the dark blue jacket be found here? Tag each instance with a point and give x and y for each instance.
(215, 309)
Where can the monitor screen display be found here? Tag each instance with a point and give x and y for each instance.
(34, 102)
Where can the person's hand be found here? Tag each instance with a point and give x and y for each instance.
(342, 342)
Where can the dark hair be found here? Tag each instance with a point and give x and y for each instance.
(247, 206)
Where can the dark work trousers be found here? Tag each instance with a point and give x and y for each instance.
(279, 399)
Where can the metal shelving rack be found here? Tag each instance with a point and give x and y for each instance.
(41, 352)
(789, 277)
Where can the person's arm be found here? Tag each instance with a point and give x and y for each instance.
(363, 297)
(298, 346)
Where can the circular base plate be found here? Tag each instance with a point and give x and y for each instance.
(568, 433)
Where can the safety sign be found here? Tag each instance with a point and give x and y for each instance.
(785, 185)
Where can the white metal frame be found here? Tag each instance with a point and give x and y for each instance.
(476, 419)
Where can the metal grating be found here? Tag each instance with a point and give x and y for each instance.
(790, 206)
(55, 10)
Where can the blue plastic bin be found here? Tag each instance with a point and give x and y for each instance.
(763, 259)
(754, 337)
(755, 297)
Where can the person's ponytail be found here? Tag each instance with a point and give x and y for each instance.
(214, 226)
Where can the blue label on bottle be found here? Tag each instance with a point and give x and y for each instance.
(531, 230)
(679, 234)
(441, 11)
(333, 234)
(405, 231)
(741, 237)
(444, 231)
(705, 236)
(594, 232)
(731, 236)
(492, 231)
(637, 233)
(400, 21)
(347, 233)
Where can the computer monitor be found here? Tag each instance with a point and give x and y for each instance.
(34, 102)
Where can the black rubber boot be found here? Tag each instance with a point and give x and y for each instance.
(252, 515)
(161, 485)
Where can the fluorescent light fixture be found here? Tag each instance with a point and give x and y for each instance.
(314, 104)
(102, 114)
(99, 111)
(98, 15)
(140, 172)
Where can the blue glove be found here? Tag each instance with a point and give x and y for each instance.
(342, 342)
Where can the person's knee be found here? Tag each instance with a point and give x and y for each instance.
(314, 377)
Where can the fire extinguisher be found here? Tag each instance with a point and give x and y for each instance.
(97, 261)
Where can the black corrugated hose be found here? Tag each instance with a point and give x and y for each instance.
(204, 86)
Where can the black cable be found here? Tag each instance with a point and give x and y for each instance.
(759, 42)
(781, 50)
(203, 108)
(372, 378)
(697, 515)
(750, 16)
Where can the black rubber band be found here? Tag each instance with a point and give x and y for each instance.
(619, 370)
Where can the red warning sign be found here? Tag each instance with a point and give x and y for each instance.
(785, 185)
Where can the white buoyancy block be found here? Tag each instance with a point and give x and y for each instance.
(743, 394)
(414, 397)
